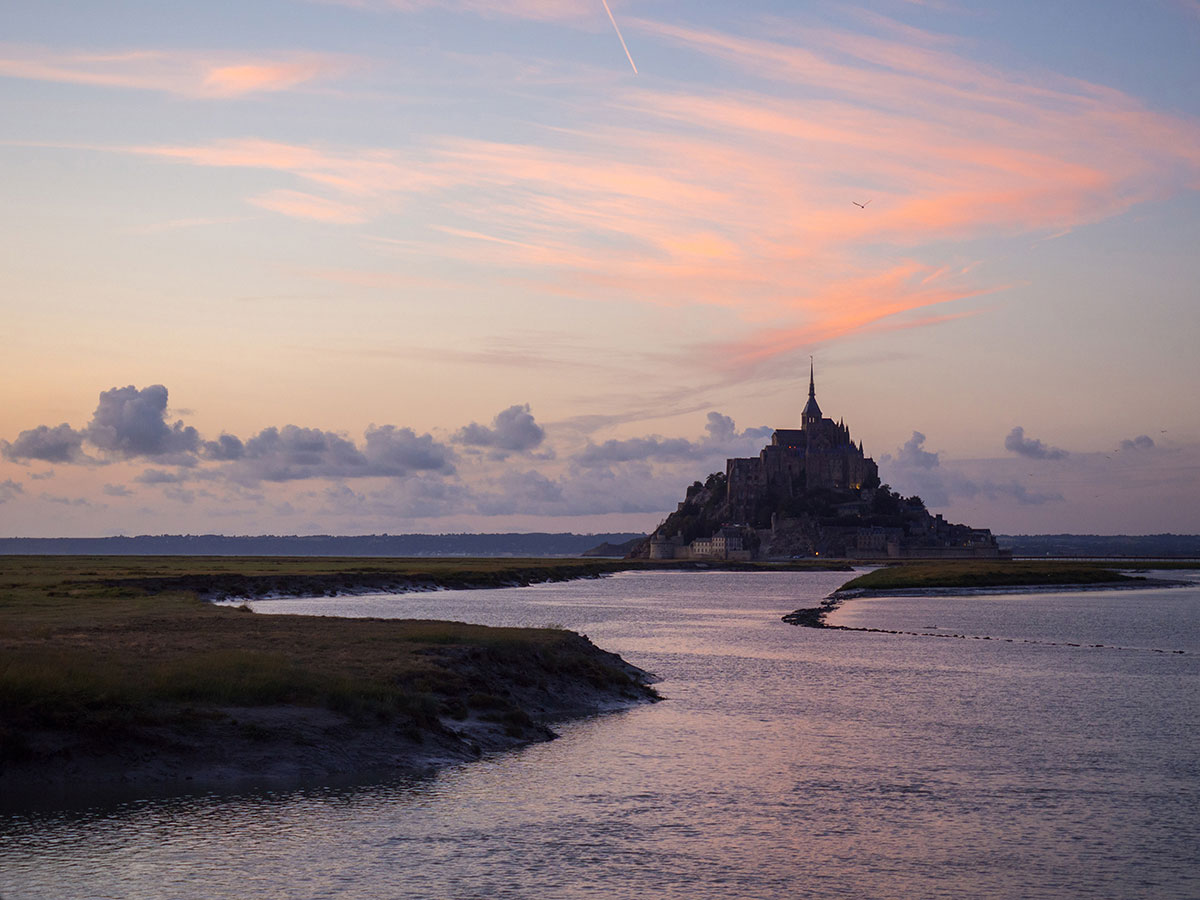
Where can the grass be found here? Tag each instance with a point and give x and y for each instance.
(987, 573)
(84, 646)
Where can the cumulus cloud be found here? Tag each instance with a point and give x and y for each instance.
(636, 488)
(1014, 490)
(1016, 442)
(640, 449)
(915, 455)
(291, 453)
(224, 449)
(915, 470)
(417, 497)
(1141, 442)
(66, 501)
(9, 489)
(721, 438)
(425, 497)
(527, 492)
(159, 476)
(117, 490)
(398, 451)
(721, 431)
(720, 427)
(130, 423)
(513, 431)
(61, 444)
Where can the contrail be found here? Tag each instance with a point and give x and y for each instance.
(619, 37)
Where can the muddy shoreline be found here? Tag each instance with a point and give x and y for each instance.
(232, 586)
(506, 702)
(815, 616)
(225, 586)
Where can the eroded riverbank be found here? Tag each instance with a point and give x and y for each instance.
(107, 683)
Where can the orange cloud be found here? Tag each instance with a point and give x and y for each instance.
(234, 80)
(309, 206)
(543, 10)
(194, 75)
(855, 305)
(741, 199)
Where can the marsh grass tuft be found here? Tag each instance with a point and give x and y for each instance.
(976, 573)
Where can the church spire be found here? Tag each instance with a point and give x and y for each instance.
(812, 413)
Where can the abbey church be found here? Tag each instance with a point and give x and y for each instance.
(812, 491)
(817, 455)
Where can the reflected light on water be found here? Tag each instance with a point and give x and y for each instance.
(786, 762)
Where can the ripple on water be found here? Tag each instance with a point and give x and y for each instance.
(787, 762)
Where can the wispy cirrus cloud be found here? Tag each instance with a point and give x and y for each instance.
(358, 172)
(301, 205)
(541, 10)
(183, 73)
(741, 199)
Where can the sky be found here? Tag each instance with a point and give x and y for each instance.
(387, 266)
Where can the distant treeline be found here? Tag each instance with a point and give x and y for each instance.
(535, 544)
(1146, 545)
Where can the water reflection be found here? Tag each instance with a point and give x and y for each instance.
(787, 762)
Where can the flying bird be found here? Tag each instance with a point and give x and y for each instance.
(619, 37)
(861, 205)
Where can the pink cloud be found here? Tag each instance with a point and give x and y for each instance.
(184, 73)
(233, 80)
(543, 10)
(742, 199)
(374, 172)
(868, 303)
(308, 206)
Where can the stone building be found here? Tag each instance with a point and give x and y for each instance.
(810, 492)
(819, 454)
(727, 543)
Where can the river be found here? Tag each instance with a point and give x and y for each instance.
(785, 763)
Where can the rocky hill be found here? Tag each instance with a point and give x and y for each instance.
(788, 521)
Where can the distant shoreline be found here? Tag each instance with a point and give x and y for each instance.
(1133, 584)
(1130, 548)
(325, 577)
(814, 617)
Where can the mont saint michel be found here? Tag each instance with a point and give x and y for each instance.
(812, 491)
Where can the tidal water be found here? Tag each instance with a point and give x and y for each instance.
(784, 763)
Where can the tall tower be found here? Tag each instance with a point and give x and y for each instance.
(810, 420)
(811, 417)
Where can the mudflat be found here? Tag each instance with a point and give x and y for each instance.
(953, 573)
